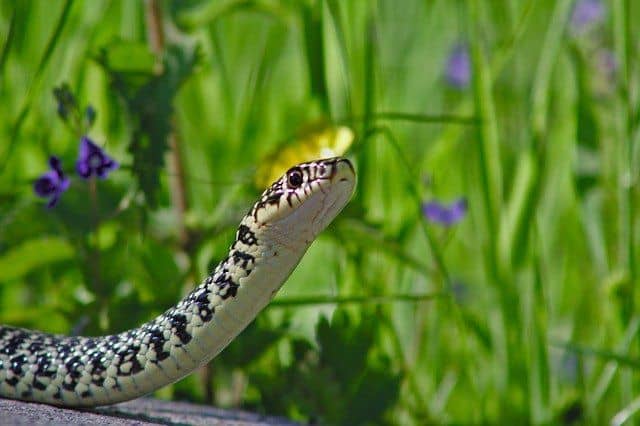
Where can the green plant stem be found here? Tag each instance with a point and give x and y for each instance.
(94, 257)
(627, 178)
(412, 118)
(358, 300)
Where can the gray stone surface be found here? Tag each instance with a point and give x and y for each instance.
(143, 411)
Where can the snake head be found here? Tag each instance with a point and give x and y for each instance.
(306, 198)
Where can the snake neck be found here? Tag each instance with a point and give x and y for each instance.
(89, 371)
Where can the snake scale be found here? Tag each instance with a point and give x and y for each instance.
(270, 241)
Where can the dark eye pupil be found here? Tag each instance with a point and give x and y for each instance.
(295, 178)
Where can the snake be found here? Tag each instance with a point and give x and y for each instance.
(78, 371)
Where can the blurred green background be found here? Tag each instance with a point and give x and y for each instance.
(524, 311)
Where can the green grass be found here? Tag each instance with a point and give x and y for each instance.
(524, 312)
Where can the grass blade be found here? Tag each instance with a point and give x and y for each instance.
(356, 300)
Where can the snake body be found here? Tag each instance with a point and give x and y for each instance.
(270, 241)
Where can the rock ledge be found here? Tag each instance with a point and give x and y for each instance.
(143, 411)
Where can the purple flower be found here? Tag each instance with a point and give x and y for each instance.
(460, 291)
(92, 160)
(458, 70)
(52, 183)
(65, 99)
(585, 14)
(89, 116)
(569, 367)
(446, 215)
(607, 63)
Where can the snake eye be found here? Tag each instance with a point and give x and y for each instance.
(294, 177)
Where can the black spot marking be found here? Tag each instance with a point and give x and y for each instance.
(97, 362)
(204, 311)
(14, 343)
(98, 366)
(38, 385)
(43, 361)
(129, 355)
(179, 323)
(35, 346)
(136, 367)
(270, 196)
(89, 344)
(226, 286)
(245, 258)
(17, 362)
(273, 198)
(246, 236)
(74, 365)
(157, 341)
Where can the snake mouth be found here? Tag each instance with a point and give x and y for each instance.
(343, 170)
(348, 163)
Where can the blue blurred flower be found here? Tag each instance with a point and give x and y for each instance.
(569, 367)
(89, 115)
(586, 13)
(52, 183)
(445, 214)
(65, 100)
(460, 291)
(92, 160)
(458, 70)
(607, 63)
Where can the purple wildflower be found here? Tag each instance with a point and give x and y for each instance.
(569, 367)
(460, 291)
(458, 69)
(52, 183)
(92, 160)
(65, 99)
(89, 115)
(607, 63)
(586, 13)
(446, 215)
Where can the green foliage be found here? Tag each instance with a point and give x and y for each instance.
(526, 311)
(33, 254)
(344, 381)
(149, 98)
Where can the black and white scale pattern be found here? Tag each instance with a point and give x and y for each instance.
(89, 371)
(33, 364)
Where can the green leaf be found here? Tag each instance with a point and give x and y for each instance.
(149, 98)
(345, 346)
(31, 255)
(377, 392)
(128, 57)
(254, 341)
